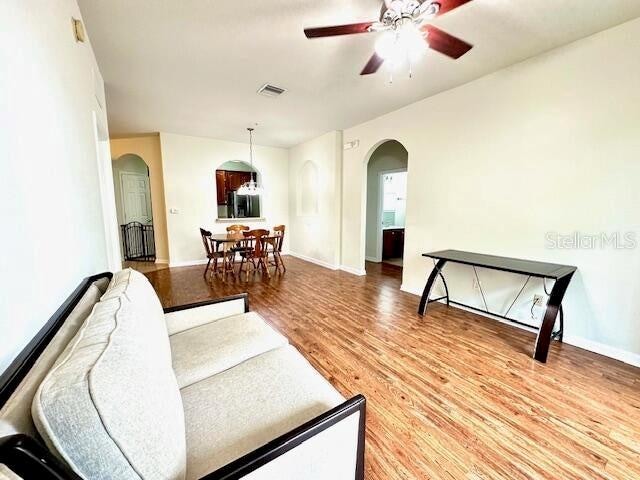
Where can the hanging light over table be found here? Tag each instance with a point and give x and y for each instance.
(251, 187)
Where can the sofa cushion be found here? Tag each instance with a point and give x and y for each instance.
(214, 347)
(194, 317)
(7, 474)
(111, 407)
(233, 413)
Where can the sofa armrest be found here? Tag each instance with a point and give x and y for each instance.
(184, 317)
(328, 446)
(313, 447)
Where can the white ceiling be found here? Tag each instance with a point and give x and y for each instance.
(193, 66)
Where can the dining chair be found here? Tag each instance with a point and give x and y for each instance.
(253, 253)
(237, 229)
(277, 248)
(212, 254)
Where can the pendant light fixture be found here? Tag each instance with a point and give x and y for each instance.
(251, 187)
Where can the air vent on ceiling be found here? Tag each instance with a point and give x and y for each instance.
(271, 90)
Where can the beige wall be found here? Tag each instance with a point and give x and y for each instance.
(548, 145)
(190, 164)
(148, 148)
(53, 232)
(315, 199)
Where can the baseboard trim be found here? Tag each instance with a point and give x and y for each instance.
(321, 263)
(162, 261)
(583, 343)
(188, 263)
(372, 259)
(604, 350)
(353, 271)
(410, 290)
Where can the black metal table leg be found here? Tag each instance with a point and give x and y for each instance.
(424, 301)
(561, 332)
(446, 289)
(553, 308)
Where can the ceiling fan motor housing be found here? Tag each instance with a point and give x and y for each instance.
(407, 9)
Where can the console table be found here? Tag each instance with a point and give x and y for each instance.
(562, 275)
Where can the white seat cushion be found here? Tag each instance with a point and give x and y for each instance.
(111, 407)
(235, 412)
(204, 351)
(7, 474)
(194, 317)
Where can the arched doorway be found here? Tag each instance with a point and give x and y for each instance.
(386, 194)
(134, 209)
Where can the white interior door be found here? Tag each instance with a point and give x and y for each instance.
(136, 198)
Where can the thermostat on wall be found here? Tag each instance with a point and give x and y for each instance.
(351, 145)
(78, 30)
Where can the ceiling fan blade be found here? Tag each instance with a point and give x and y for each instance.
(373, 65)
(448, 5)
(442, 42)
(338, 30)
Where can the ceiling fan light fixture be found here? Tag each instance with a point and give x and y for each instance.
(396, 5)
(428, 9)
(387, 46)
(406, 33)
(401, 45)
(413, 41)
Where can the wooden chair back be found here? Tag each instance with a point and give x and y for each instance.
(254, 239)
(206, 240)
(279, 233)
(237, 228)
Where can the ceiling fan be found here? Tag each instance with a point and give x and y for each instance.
(407, 32)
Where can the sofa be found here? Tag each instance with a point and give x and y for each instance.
(116, 387)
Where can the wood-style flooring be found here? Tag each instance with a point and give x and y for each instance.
(144, 267)
(450, 396)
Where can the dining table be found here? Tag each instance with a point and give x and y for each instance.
(228, 241)
(227, 238)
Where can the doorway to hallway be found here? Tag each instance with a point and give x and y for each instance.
(134, 209)
(393, 188)
(386, 204)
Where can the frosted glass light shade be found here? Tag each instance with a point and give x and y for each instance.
(407, 44)
(249, 188)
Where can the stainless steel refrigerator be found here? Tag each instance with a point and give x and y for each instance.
(242, 206)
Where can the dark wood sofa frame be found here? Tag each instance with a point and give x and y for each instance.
(30, 459)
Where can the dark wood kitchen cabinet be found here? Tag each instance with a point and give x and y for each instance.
(393, 243)
(221, 187)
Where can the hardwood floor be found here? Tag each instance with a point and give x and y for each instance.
(144, 267)
(450, 396)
